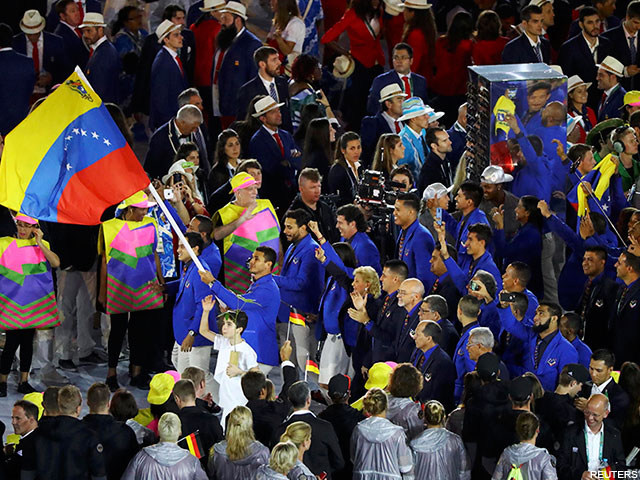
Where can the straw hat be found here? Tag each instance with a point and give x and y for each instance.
(32, 22)
(265, 105)
(212, 5)
(612, 65)
(235, 8)
(93, 19)
(390, 91)
(343, 66)
(165, 28)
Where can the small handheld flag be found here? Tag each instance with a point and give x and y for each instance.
(311, 367)
(296, 318)
(193, 444)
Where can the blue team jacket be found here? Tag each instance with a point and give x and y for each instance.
(416, 253)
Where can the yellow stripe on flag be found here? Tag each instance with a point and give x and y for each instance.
(312, 367)
(297, 319)
(27, 144)
(189, 440)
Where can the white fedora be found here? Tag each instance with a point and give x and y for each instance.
(32, 22)
(212, 5)
(93, 19)
(236, 8)
(612, 65)
(390, 91)
(417, 4)
(393, 7)
(165, 28)
(343, 66)
(575, 81)
(265, 105)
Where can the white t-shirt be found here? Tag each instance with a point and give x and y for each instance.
(230, 393)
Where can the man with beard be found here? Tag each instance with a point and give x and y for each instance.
(233, 63)
(546, 350)
(267, 82)
(495, 195)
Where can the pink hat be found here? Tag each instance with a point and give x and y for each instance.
(174, 374)
(392, 364)
(26, 219)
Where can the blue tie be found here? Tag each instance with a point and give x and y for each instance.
(632, 49)
(538, 53)
(272, 91)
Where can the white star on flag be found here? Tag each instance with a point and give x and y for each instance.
(76, 131)
(95, 135)
(69, 167)
(107, 142)
(83, 132)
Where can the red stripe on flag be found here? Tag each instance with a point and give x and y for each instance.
(106, 182)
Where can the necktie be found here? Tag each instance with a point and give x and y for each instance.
(401, 244)
(407, 85)
(279, 142)
(90, 52)
(602, 102)
(180, 65)
(536, 354)
(632, 49)
(586, 297)
(218, 65)
(434, 289)
(81, 8)
(272, 91)
(538, 52)
(397, 124)
(78, 32)
(386, 303)
(621, 301)
(36, 58)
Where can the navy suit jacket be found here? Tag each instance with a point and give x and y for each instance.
(167, 81)
(16, 85)
(53, 19)
(418, 89)
(612, 22)
(54, 58)
(439, 376)
(255, 87)
(519, 50)
(404, 344)
(238, 67)
(611, 107)
(371, 129)
(103, 71)
(458, 144)
(575, 59)
(620, 51)
(279, 174)
(75, 49)
(162, 149)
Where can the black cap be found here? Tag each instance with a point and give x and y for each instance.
(488, 366)
(339, 384)
(520, 389)
(578, 372)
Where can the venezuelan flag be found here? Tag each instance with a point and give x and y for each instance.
(193, 444)
(67, 161)
(600, 180)
(312, 367)
(296, 318)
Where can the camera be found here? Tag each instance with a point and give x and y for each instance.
(374, 192)
(507, 297)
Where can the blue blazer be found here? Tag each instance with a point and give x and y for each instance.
(263, 302)
(103, 72)
(620, 51)
(255, 87)
(187, 311)
(462, 361)
(533, 177)
(611, 107)
(279, 174)
(53, 19)
(167, 81)
(54, 57)
(371, 129)
(301, 279)
(584, 352)
(414, 151)
(416, 253)
(163, 146)
(237, 69)
(418, 88)
(76, 51)
(459, 230)
(461, 275)
(519, 50)
(211, 255)
(16, 85)
(366, 251)
(558, 353)
(438, 377)
(612, 23)
(404, 344)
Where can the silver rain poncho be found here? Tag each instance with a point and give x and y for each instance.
(536, 462)
(379, 451)
(164, 460)
(225, 469)
(300, 472)
(266, 473)
(404, 412)
(438, 453)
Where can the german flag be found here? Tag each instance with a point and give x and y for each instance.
(193, 444)
(312, 367)
(296, 318)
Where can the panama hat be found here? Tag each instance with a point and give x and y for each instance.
(93, 19)
(575, 81)
(343, 66)
(391, 91)
(32, 22)
(235, 8)
(165, 28)
(212, 5)
(265, 105)
(612, 65)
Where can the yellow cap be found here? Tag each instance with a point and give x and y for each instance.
(36, 399)
(379, 375)
(632, 98)
(241, 180)
(160, 388)
(138, 199)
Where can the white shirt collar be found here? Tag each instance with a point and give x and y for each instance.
(608, 92)
(533, 44)
(391, 121)
(100, 41)
(300, 412)
(173, 53)
(595, 45)
(267, 83)
(600, 388)
(271, 132)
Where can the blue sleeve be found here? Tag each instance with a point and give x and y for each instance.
(618, 198)
(451, 225)
(513, 326)
(371, 257)
(175, 216)
(303, 280)
(571, 238)
(201, 290)
(457, 276)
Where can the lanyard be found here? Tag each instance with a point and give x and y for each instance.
(586, 444)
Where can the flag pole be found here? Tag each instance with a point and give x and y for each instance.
(174, 225)
(306, 372)
(288, 328)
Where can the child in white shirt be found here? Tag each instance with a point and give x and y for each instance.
(228, 374)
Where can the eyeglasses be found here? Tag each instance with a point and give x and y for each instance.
(401, 57)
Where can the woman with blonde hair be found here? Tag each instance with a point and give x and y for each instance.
(389, 150)
(240, 455)
(439, 453)
(378, 447)
(299, 433)
(283, 458)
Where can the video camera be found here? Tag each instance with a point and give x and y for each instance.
(373, 191)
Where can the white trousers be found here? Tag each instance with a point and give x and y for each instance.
(197, 357)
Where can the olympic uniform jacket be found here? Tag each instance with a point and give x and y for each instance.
(415, 250)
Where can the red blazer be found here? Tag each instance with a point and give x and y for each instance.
(422, 61)
(205, 33)
(393, 28)
(488, 52)
(591, 116)
(451, 74)
(364, 47)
